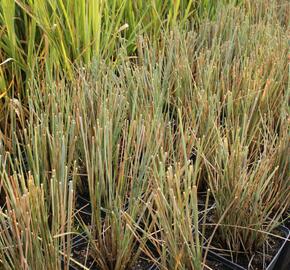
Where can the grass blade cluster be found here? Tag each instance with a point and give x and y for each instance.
(139, 114)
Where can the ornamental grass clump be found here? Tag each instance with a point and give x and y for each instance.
(176, 233)
(116, 161)
(246, 167)
(36, 223)
(258, 193)
(38, 180)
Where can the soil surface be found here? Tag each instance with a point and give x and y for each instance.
(214, 265)
(258, 260)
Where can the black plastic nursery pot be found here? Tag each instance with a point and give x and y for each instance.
(281, 261)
